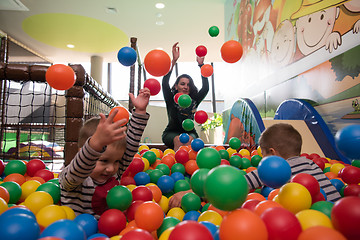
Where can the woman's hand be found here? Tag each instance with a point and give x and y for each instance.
(175, 52)
(200, 60)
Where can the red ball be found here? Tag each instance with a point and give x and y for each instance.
(33, 166)
(181, 156)
(201, 51)
(314, 155)
(352, 190)
(224, 162)
(281, 224)
(250, 204)
(2, 167)
(350, 175)
(44, 174)
(308, 181)
(319, 162)
(142, 193)
(190, 230)
(136, 165)
(200, 117)
(176, 97)
(318, 197)
(127, 180)
(121, 114)
(345, 217)
(130, 212)
(153, 85)
(231, 51)
(157, 63)
(137, 234)
(60, 77)
(112, 222)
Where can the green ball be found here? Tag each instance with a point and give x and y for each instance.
(255, 160)
(327, 169)
(178, 167)
(55, 181)
(205, 207)
(150, 156)
(52, 189)
(164, 168)
(168, 222)
(190, 202)
(224, 154)
(324, 207)
(197, 181)
(155, 175)
(245, 163)
(208, 158)
(226, 188)
(234, 143)
(235, 160)
(214, 31)
(15, 166)
(14, 190)
(188, 124)
(356, 163)
(184, 101)
(181, 185)
(119, 197)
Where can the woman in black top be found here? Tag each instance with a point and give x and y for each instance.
(176, 115)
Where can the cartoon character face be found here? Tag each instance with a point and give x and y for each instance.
(283, 44)
(313, 30)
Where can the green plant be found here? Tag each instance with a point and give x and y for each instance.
(213, 122)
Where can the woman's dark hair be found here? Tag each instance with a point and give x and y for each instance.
(193, 88)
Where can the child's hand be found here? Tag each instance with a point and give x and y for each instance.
(141, 101)
(107, 132)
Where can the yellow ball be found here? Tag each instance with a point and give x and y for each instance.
(70, 214)
(143, 147)
(336, 167)
(37, 200)
(169, 150)
(327, 165)
(28, 187)
(164, 203)
(231, 151)
(211, 216)
(259, 151)
(146, 164)
(117, 237)
(176, 212)
(311, 218)
(165, 234)
(131, 187)
(294, 197)
(156, 151)
(244, 152)
(49, 214)
(3, 205)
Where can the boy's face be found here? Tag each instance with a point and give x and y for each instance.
(108, 164)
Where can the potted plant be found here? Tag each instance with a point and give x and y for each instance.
(211, 130)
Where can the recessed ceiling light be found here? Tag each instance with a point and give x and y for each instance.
(160, 5)
(70, 46)
(159, 23)
(159, 15)
(110, 10)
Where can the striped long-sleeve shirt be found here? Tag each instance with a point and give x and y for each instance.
(301, 165)
(76, 185)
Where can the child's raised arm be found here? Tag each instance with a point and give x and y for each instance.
(141, 101)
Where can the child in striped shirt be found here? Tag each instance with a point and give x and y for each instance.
(284, 140)
(107, 149)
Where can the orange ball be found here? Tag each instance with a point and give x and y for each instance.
(321, 233)
(156, 191)
(157, 63)
(192, 154)
(264, 205)
(191, 166)
(207, 70)
(168, 159)
(231, 51)
(255, 195)
(149, 216)
(15, 177)
(39, 179)
(273, 193)
(4, 194)
(60, 77)
(121, 114)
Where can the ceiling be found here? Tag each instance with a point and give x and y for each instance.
(102, 27)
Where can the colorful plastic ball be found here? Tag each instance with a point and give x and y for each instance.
(65, 229)
(201, 116)
(153, 85)
(338, 184)
(235, 161)
(70, 214)
(310, 218)
(45, 174)
(19, 226)
(350, 175)
(98, 236)
(167, 223)
(127, 56)
(206, 70)
(149, 216)
(60, 77)
(15, 177)
(352, 190)
(213, 31)
(324, 207)
(208, 158)
(176, 97)
(155, 175)
(243, 224)
(142, 193)
(281, 224)
(52, 189)
(347, 141)
(50, 214)
(112, 222)
(345, 216)
(231, 51)
(2, 167)
(184, 138)
(14, 191)
(166, 184)
(4, 194)
(142, 178)
(3, 205)
(181, 185)
(130, 212)
(308, 181)
(33, 166)
(181, 156)
(122, 114)
(294, 197)
(225, 187)
(150, 156)
(210, 226)
(137, 234)
(191, 166)
(197, 144)
(37, 200)
(201, 51)
(321, 233)
(191, 215)
(234, 143)
(119, 197)
(190, 230)
(178, 167)
(274, 171)
(190, 202)
(15, 166)
(184, 100)
(157, 63)
(224, 154)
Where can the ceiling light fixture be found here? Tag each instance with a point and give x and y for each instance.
(160, 23)
(159, 5)
(70, 46)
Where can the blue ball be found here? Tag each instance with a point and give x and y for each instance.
(141, 178)
(19, 226)
(323, 193)
(347, 141)
(18, 210)
(210, 226)
(88, 223)
(191, 215)
(66, 229)
(197, 144)
(98, 235)
(338, 184)
(127, 56)
(274, 171)
(265, 191)
(177, 176)
(184, 137)
(166, 183)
